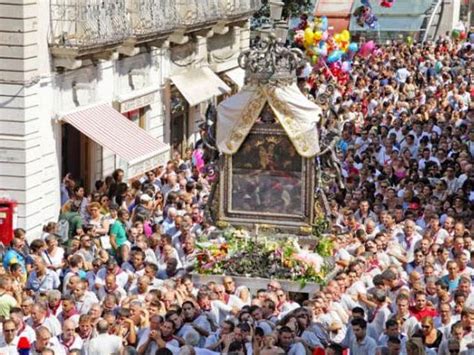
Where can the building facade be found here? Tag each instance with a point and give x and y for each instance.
(89, 86)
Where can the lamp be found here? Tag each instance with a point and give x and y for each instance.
(265, 31)
(281, 30)
(276, 8)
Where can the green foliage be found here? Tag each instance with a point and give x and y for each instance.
(291, 8)
(325, 247)
(320, 226)
(243, 255)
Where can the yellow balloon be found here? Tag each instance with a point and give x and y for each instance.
(345, 36)
(337, 37)
(308, 37)
(317, 36)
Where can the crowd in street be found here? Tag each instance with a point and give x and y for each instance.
(112, 275)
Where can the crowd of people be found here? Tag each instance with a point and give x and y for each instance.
(112, 275)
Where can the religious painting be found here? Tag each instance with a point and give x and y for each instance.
(267, 176)
(266, 181)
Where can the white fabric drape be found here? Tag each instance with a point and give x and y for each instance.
(297, 115)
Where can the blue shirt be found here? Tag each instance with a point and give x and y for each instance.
(48, 281)
(169, 227)
(453, 284)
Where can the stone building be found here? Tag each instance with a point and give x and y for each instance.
(88, 86)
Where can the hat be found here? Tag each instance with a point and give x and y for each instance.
(145, 198)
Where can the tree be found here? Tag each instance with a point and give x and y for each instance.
(291, 8)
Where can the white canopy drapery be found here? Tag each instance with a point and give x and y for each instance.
(297, 115)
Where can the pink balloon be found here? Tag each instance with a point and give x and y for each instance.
(367, 48)
(346, 67)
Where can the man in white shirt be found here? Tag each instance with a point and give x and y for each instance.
(69, 339)
(22, 329)
(111, 287)
(39, 318)
(84, 298)
(44, 340)
(105, 343)
(146, 342)
(381, 313)
(9, 340)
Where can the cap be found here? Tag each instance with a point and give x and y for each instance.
(145, 198)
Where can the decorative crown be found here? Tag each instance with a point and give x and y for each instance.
(269, 61)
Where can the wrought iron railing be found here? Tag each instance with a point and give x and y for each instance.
(93, 23)
(88, 23)
(152, 16)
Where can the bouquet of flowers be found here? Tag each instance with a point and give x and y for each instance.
(241, 255)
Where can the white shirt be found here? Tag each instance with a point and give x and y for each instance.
(28, 333)
(9, 349)
(378, 324)
(84, 305)
(51, 323)
(55, 260)
(105, 344)
(76, 344)
(121, 278)
(53, 345)
(119, 292)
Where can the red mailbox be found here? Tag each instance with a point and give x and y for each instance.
(7, 220)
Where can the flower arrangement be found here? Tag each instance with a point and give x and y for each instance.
(239, 254)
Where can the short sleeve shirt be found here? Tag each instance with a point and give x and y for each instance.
(118, 229)
(7, 302)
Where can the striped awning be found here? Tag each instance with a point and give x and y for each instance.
(199, 85)
(113, 131)
(237, 75)
(334, 8)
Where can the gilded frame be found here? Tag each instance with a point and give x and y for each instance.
(283, 221)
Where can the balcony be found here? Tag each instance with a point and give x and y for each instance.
(83, 25)
(80, 27)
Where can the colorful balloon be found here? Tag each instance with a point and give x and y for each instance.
(308, 37)
(438, 67)
(409, 40)
(346, 66)
(345, 36)
(322, 51)
(317, 36)
(463, 35)
(455, 33)
(353, 47)
(334, 56)
(367, 48)
(471, 38)
(387, 3)
(324, 23)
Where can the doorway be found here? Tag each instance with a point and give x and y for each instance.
(179, 122)
(75, 155)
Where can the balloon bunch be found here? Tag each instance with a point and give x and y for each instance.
(458, 34)
(335, 52)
